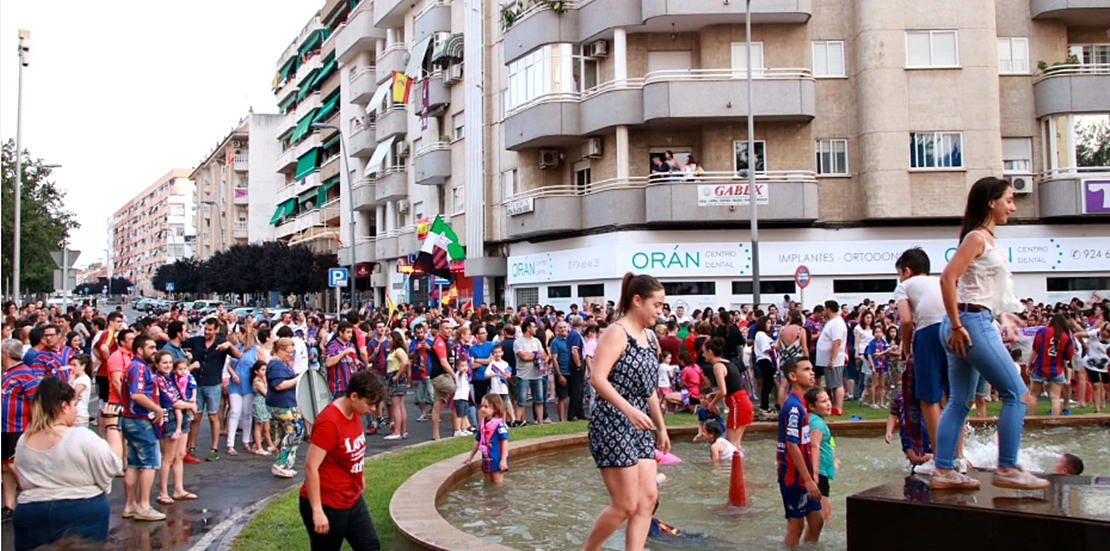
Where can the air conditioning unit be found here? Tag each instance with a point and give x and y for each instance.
(402, 206)
(236, 143)
(402, 149)
(591, 148)
(597, 49)
(1022, 185)
(454, 73)
(550, 158)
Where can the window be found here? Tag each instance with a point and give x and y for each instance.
(832, 157)
(1017, 155)
(864, 285)
(558, 291)
(460, 121)
(936, 150)
(582, 175)
(690, 288)
(418, 210)
(545, 71)
(508, 184)
(1064, 284)
(591, 290)
(527, 296)
(1091, 54)
(786, 287)
(828, 58)
(457, 200)
(1013, 56)
(740, 150)
(926, 49)
(177, 209)
(740, 59)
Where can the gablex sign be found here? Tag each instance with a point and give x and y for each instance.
(723, 195)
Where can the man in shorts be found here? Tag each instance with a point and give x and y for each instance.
(442, 374)
(19, 384)
(420, 353)
(831, 355)
(141, 413)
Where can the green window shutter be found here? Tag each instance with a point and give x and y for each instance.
(331, 142)
(301, 129)
(307, 163)
(327, 109)
(277, 214)
(322, 192)
(306, 84)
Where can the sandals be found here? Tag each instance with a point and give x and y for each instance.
(231, 451)
(165, 500)
(150, 515)
(185, 496)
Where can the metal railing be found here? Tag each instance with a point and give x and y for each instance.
(1072, 172)
(434, 146)
(1073, 70)
(430, 6)
(662, 179)
(368, 69)
(242, 158)
(540, 6)
(394, 47)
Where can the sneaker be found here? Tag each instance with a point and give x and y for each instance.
(392, 437)
(927, 468)
(952, 480)
(461, 433)
(282, 473)
(213, 456)
(960, 464)
(6, 514)
(190, 459)
(837, 413)
(150, 515)
(1017, 479)
(372, 430)
(422, 419)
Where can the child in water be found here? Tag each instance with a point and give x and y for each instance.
(905, 411)
(822, 444)
(492, 439)
(721, 449)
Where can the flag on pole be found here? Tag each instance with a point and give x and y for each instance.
(402, 85)
(335, 235)
(450, 296)
(439, 249)
(422, 228)
(468, 305)
(391, 306)
(230, 158)
(434, 293)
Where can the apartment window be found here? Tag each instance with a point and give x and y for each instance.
(690, 288)
(545, 71)
(740, 152)
(864, 285)
(1090, 54)
(508, 184)
(740, 59)
(1013, 56)
(177, 209)
(925, 49)
(591, 290)
(828, 58)
(832, 157)
(558, 291)
(460, 122)
(457, 199)
(786, 287)
(418, 210)
(936, 150)
(527, 296)
(1017, 155)
(1064, 284)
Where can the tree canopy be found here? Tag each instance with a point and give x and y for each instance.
(254, 268)
(44, 221)
(1092, 147)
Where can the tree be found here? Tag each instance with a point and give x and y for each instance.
(44, 221)
(1092, 146)
(94, 266)
(183, 273)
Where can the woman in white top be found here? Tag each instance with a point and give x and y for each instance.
(761, 352)
(976, 287)
(65, 474)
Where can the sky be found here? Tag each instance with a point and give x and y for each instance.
(119, 92)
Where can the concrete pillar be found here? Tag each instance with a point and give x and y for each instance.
(622, 152)
(379, 220)
(620, 55)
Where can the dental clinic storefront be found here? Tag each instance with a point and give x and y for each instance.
(706, 268)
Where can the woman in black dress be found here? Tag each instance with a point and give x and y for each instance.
(625, 374)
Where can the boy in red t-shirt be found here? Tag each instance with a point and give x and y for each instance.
(332, 506)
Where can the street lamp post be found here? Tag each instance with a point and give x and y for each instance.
(345, 174)
(752, 161)
(24, 60)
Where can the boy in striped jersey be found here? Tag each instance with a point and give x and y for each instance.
(1053, 349)
(800, 495)
(19, 383)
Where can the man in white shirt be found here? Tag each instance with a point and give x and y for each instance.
(680, 315)
(831, 355)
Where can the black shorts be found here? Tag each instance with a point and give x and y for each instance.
(8, 444)
(1098, 377)
(102, 390)
(695, 402)
(563, 391)
(823, 484)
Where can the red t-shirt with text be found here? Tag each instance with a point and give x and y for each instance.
(341, 481)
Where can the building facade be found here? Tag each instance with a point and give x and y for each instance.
(534, 133)
(222, 194)
(154, 228)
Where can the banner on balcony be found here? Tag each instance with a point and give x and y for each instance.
(726, 195)
(424, 104)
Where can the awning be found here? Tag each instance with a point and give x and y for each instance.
(416, 61)
(290, 65)
(328, 108)
(380, 153)
(306, 84)
(449, 51)
(284, 209)
(322, 191)
(301, 129)
(326, 69)
(285, 104)
(306, 164)
(379, 95)
(331, 142)
(315, 39)
(309, 197)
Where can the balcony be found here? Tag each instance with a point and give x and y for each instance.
(241, 196)
(1072, 89)
(364, 193)
(285, 229)
(311, 64)
(434, 17)
(439, 93)
(699, 14)
(359, 33)
(539, 25)
(722, 95)
(555, 210)
(390, 13)
(309, 104)
(393, 122)
(330, 167)
(365, 249)
(241, 163)
(362, 84)
(330, 212)
(561, 119)
(612, 104)
(406, 241)
(432, 165)
(288, 123)
(239, 230)
(391, 185)
(392, 58)
(1072, 192)
(307, 220)
(791, 197)
(1071, 12)
(386, 246)
(362, 142)
(286, 159)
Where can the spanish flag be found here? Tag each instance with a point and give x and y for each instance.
(402, 85)
(277, 80)
(392, 307)
(335, 234)
(422, 228)
(450, 296)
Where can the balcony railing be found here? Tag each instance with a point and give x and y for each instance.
(1070, 173)
(640, 182)
(1074, 70)
(239, 226)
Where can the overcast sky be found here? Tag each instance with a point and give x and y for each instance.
(121, 91)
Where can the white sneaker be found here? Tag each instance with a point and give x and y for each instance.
(953, 480)
(960, 464)
(927, 468)
(1018, 479)
(461, 433)
(392, 437)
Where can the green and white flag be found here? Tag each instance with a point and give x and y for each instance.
(441, 246)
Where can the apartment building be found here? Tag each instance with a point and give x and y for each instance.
(306, 88)
(152, 229)
(872, 119)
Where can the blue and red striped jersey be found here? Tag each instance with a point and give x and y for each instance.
(420, 359)
(339, 375)
(53, 362)
(378, 354)
(138, 379)
(1048, 360)
(19, 383)
(793, 429)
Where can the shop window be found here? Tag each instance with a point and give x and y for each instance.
(591, 290)
(1063, 284)
(864, 285)
(558, 291)
(527, 296)
(690, 288)
(765, 287)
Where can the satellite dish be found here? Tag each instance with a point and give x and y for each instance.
(405, 57)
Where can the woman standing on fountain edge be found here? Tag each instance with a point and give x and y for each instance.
(976, 286)
(625, 372)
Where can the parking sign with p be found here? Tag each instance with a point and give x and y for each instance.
(337, 277)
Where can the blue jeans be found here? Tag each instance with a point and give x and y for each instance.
(987, 357)
(143, 449)
(36, 524)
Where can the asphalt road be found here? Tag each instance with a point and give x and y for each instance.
(229, 492)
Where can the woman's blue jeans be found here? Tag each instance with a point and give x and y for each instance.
(986, 356)
(42, 523)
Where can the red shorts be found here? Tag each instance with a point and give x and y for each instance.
(739, 410)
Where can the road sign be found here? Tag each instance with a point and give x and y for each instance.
(69, 284)
(337, 277)
(802, 277)
(71, 259)
(169, 287)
